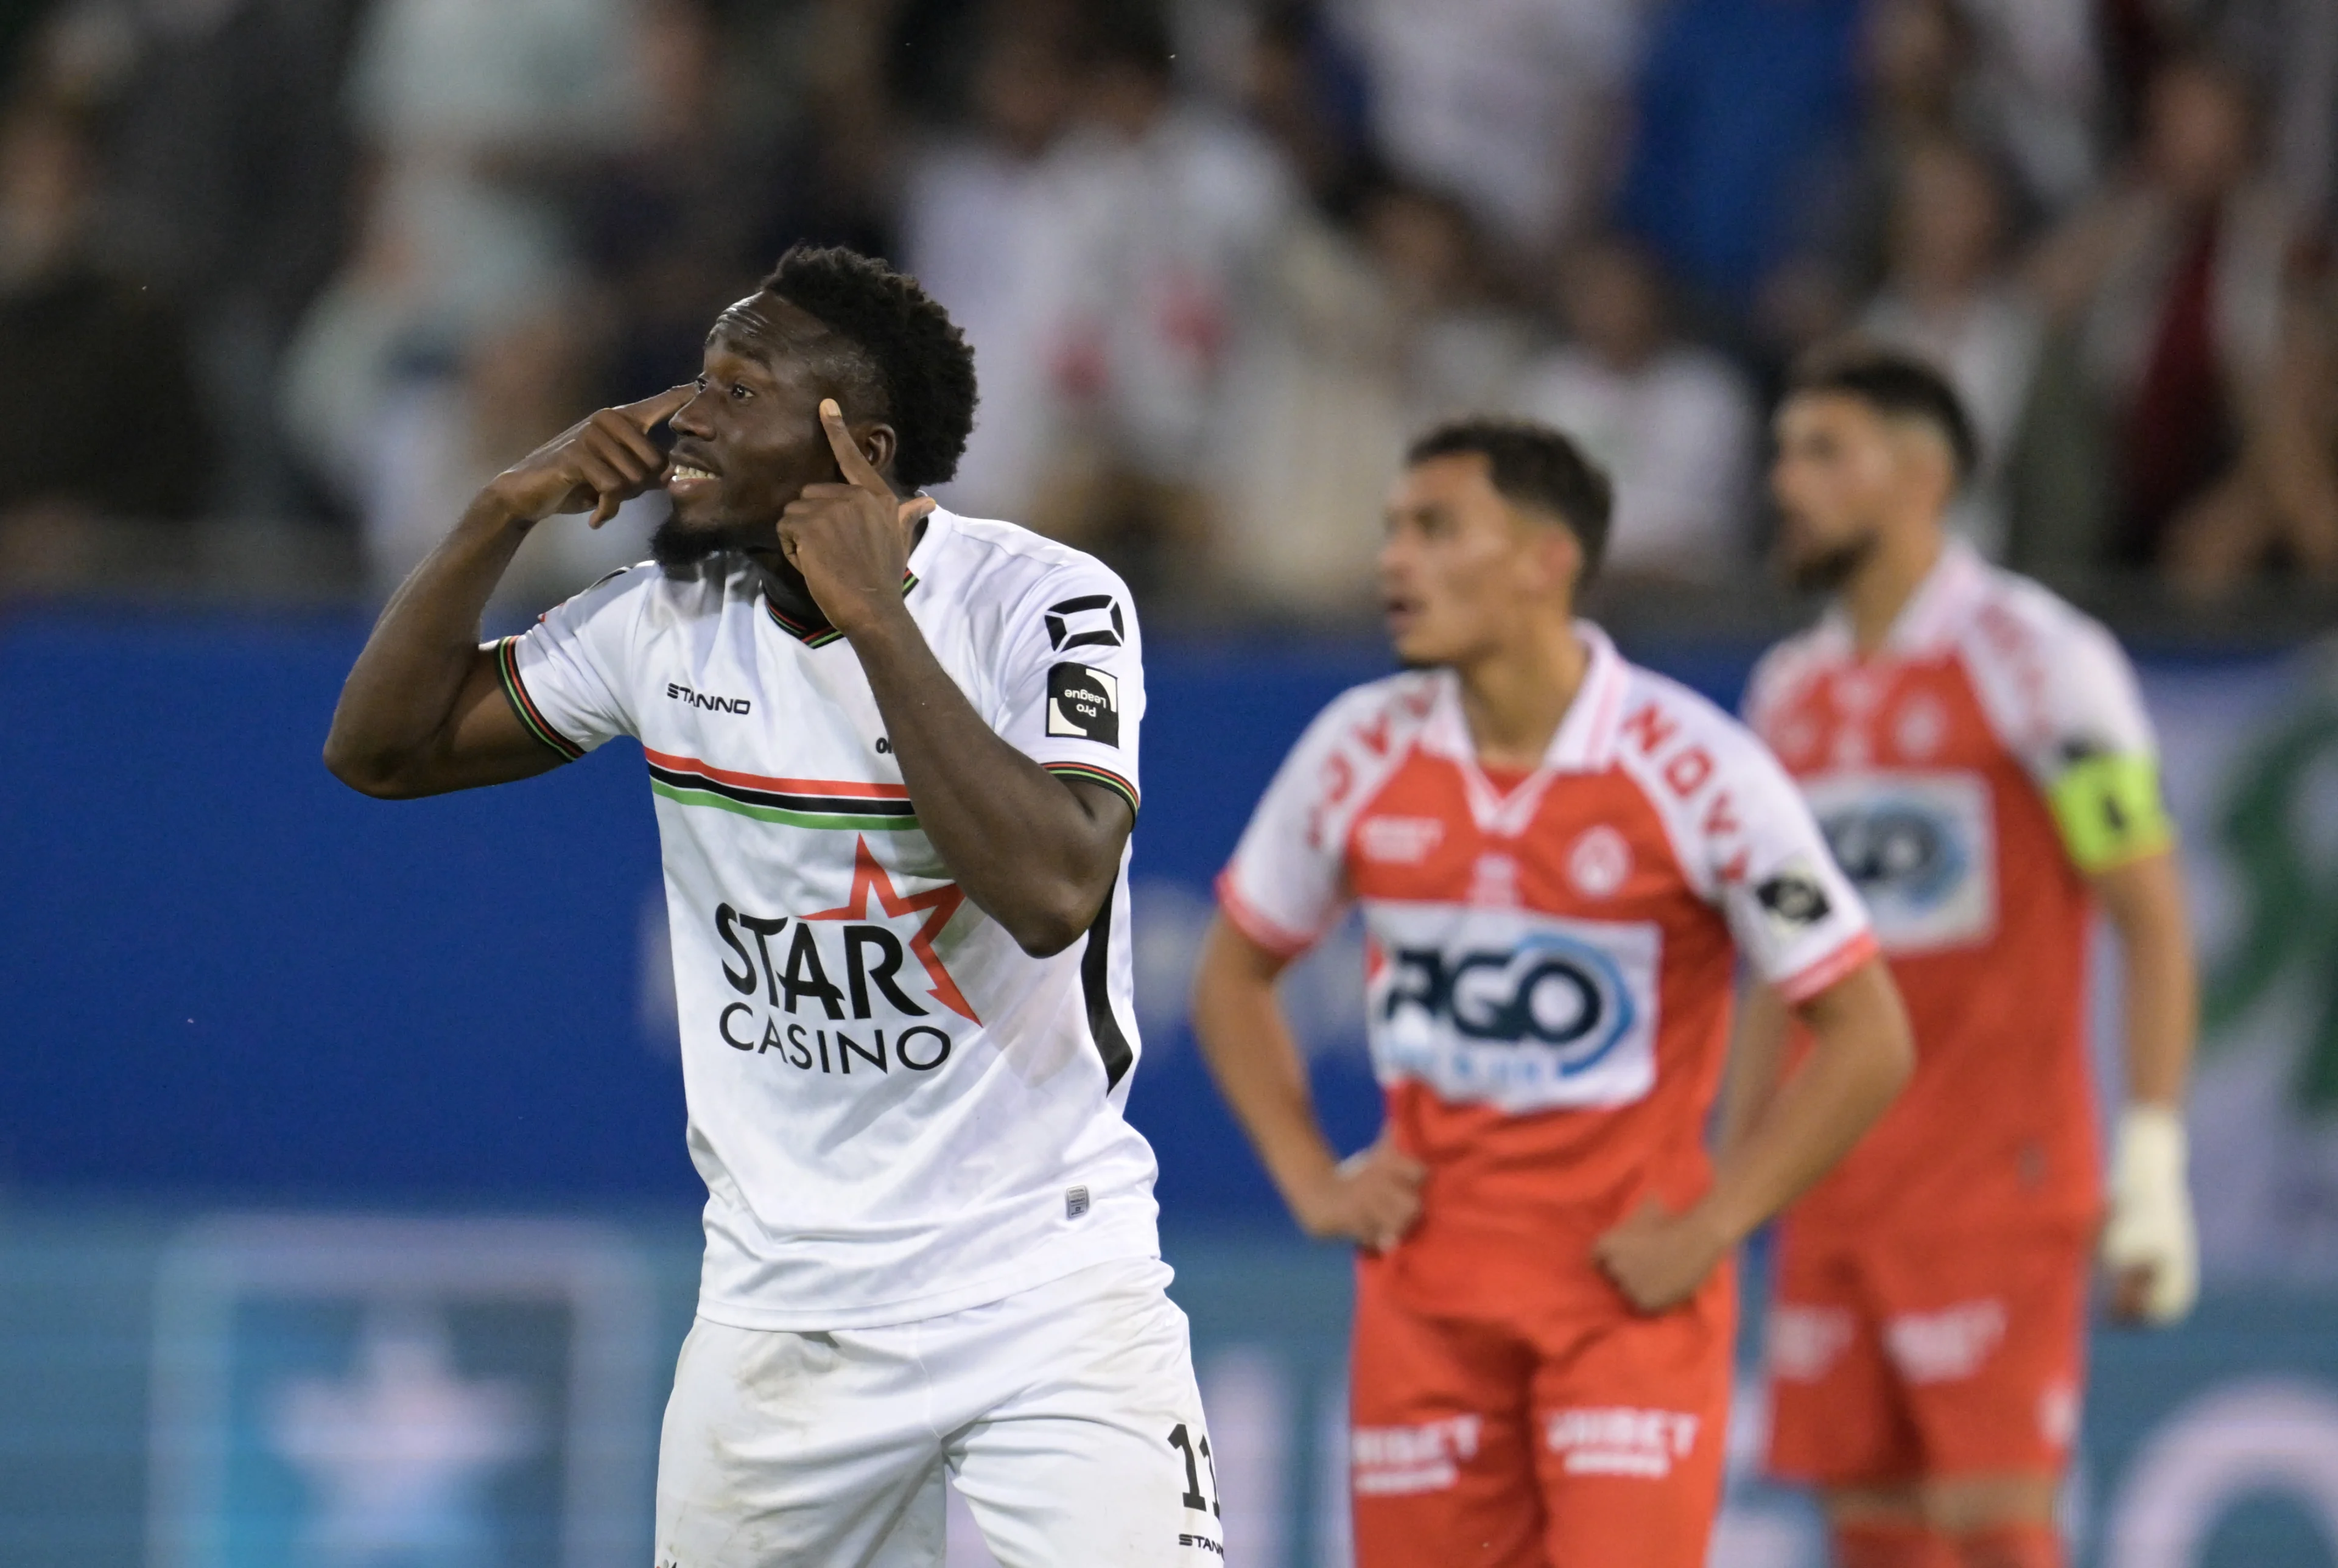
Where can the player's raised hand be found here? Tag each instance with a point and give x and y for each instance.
(601, 461)
(850, 540)
(1658, 1259)
(1372, 1197)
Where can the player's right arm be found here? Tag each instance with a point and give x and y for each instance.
(1373, 1196)
(424, 709)
(1283, 888)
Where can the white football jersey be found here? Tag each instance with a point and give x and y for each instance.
(897, 1111)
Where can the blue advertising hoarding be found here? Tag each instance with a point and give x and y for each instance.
(231, 981)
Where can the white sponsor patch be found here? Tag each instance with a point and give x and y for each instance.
(1617, 1440)
(1804, 1342)
(1947, 1345)
(1392, 1461)
(1922, 849)
(2057, 1413)
(1399, 841)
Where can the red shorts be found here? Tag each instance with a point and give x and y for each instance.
(1513, 1439)
(1899, 1360)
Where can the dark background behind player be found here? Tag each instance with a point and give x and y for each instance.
(282, 281)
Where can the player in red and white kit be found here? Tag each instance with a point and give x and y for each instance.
(1979, 757)
(1560, 859)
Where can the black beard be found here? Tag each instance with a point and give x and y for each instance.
(1827, 572)
(674, 546)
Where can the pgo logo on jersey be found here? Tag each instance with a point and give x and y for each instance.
(1920, 847)
(1090, 621)
(1899, 848)
(1550, 991)
(1515, 1009)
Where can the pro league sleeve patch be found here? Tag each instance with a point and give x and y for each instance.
(1084, 703)
(1794, 899)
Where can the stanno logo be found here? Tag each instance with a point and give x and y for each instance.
(1089, 620)
(688, 698)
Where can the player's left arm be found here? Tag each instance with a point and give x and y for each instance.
(1038, 853)
(1757, 1060)
(1804, 936)
(2098, 770)
(1861, 1054)
(2149, 1244)
(1813, 957)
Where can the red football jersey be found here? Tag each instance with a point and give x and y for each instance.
(1551, 965)
(1967, 775)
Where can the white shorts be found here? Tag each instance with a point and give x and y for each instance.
(1066, 1416)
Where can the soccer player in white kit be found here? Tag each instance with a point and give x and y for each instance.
(894, 754)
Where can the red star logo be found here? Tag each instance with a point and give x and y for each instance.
(869, 876)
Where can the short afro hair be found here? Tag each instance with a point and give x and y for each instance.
(1894, 383)
(921, 363)
(1532, 465)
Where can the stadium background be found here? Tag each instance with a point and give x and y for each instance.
(344, 1218)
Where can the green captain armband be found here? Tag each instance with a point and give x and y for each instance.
(2109, 810)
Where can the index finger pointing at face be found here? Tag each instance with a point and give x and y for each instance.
(652, 412)
(854, 466)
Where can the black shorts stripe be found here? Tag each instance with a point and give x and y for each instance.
(1096, 985)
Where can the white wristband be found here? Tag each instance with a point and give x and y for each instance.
(2150, 1225)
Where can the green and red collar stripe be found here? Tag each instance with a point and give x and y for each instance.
(1103, 776)
(790, 802)
(820, 633)
(531, 717)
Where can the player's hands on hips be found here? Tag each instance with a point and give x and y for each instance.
(1658, 1259)
(1372, 1197)
(850, 540)
(602, 461)
(2150, 1250)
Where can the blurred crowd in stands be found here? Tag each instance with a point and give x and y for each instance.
(282, 282)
